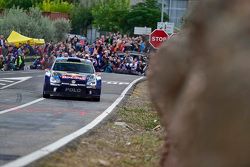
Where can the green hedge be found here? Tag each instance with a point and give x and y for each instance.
(56, 6)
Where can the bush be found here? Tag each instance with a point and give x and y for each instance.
(62, 27)
(33, 24)
(56, 6)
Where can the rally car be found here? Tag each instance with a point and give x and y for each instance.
(72, 77)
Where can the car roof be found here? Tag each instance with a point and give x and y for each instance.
(73, 59)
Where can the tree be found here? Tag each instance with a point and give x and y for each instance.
(24, 4)
(118, 15)
(81, 18)
(109, 14)
(87, 3)
(62, 27)
(33, 25)
(145, 14)
(56, 6)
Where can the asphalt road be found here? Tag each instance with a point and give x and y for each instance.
(25, 130)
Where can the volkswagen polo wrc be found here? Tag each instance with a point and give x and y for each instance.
(72, 77)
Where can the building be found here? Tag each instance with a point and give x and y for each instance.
(177, 9)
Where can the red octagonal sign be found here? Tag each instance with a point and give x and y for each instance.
(157, 37)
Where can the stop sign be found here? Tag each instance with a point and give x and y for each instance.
(157, 37)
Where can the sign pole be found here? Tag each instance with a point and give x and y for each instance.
(162, 7)
(169, 10)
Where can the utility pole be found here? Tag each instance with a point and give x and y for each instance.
(169, 9)
(162, 10)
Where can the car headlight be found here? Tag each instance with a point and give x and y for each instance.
(55, 79)
(91, 81)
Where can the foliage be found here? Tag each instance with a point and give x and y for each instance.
(2, 4)
(62, 27)
(24, 4)
(113, 15)
(81, 18)
(12, 22)
(108, 14)
(87, 3)
(56, 6)
(32, 24)
(47, 29)
(143, 14)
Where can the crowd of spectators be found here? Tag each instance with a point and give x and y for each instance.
(111, 53)
(12, 57)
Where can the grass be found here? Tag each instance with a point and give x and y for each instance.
(139, 116)
(112, 145)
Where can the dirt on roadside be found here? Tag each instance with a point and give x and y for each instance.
(132, 137)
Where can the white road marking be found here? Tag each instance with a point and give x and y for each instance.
(115, 83)
(1, 80)
(7, 73)
(23, 161)
(21, 106)
(112, 82)
(18, 72)
(38, 76)
(19, 80)
(2, 84)
(28, 72)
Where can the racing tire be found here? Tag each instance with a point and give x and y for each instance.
(46, 95)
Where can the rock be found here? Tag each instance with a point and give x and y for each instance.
(124, 125)
(157, 128)
(133, 157)
(85, 143)
(104, 162)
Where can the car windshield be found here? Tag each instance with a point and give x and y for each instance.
(73, 67)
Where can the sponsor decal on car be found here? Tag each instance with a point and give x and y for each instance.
(76, 77)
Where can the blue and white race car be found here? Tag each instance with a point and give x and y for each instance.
(72, 77)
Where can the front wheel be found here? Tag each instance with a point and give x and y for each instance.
(97, 99)
(46, 95)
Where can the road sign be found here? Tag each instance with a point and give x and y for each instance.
(157, 37)
(142, 30)
(168, 27)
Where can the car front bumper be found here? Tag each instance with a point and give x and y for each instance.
(72, 91)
